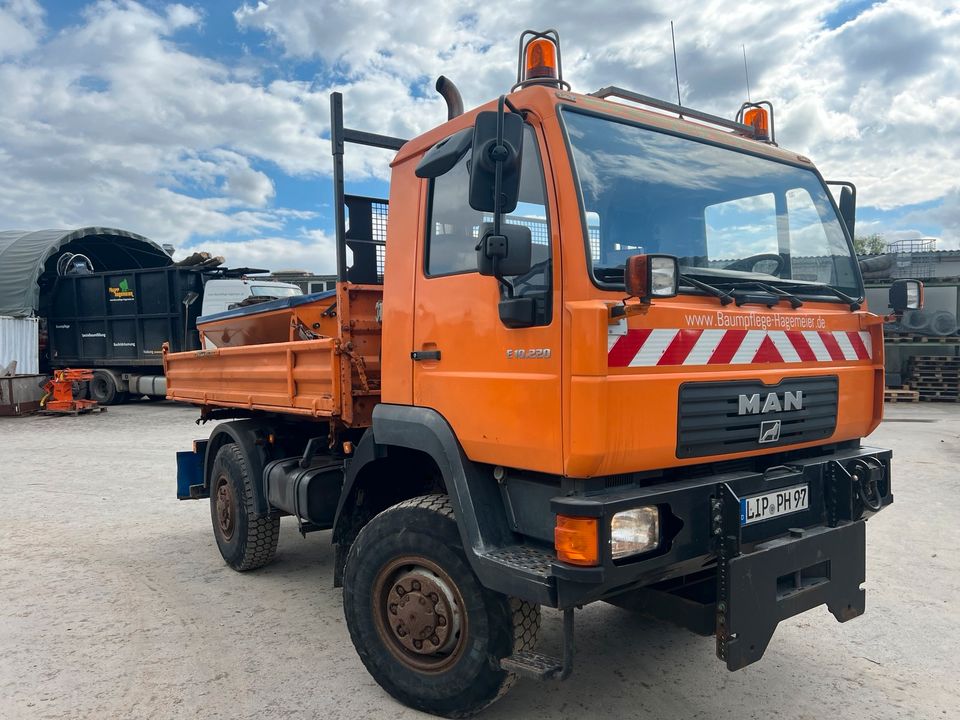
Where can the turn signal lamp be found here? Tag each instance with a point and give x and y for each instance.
(538, 61)
(649, 276)
(576, 540)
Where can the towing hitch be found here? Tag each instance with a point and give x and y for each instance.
(780, 578)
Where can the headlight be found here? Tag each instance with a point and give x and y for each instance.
(663, 276)
(634, 531)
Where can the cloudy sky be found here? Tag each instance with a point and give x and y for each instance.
(205, 124)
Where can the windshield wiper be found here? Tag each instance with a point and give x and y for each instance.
(725, 297)
(794, 301)
(743, 298)
(851, 301)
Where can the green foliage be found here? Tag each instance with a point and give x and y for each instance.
(870, 244)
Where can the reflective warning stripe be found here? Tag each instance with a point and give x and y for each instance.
(648, 348)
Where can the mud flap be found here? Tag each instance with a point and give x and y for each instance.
(782, 578)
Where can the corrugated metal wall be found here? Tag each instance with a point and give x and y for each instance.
(18, 341)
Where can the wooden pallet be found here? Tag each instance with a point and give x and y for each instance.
(935, 377)
(74, 413)
(931, 339)
(901, 395)
(936, 397)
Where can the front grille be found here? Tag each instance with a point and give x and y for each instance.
(709, 423)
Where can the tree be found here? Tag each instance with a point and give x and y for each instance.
(869, 244)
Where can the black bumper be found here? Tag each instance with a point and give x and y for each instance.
(759, 573)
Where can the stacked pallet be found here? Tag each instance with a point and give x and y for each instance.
(912, 339)
(935, 377)
(900, 395)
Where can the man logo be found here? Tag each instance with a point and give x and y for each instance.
(769, 431)
(752, 405)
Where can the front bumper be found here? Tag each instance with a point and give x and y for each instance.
(762, 572)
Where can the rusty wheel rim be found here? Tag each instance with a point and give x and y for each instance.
(419, 614)
(225, 508)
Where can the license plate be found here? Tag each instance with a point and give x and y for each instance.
(774, 504)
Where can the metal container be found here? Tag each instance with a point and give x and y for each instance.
(122, 319)
(20, 394)
(19, 341)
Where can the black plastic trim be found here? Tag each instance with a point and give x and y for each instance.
(244, 433)
(478, 506)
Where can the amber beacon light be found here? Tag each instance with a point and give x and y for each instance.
(539, 60)
(759, 116)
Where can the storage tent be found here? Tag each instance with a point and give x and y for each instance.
(25, 256)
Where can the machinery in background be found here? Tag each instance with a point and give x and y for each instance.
(59, 394)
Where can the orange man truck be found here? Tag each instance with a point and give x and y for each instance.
(606, 348)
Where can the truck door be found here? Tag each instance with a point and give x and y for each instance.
(498, 387)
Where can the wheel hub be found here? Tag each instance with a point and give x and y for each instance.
(225, 509)
(420, 616)
(420, 613)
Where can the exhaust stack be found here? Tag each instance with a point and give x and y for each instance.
(449, 91)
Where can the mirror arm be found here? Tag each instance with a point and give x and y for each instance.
(498, 173)
(497, 192)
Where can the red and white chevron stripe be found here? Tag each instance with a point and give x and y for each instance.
(647, 348)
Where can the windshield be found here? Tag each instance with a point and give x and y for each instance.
(277, 291)
(729, 216)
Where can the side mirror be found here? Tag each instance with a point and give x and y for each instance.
(489, 151)
(906, 295)
(650, 276)
(847, 204)
(441, 158)
(508, 253)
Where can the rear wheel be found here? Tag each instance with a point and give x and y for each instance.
(246, 540)
(425, 628)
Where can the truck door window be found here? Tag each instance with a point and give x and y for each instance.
(454, 227)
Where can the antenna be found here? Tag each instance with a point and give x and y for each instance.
(745, 73)
(676, 70)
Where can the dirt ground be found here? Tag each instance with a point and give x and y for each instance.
(114, 603)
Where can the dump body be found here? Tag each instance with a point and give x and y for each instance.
(335, 375)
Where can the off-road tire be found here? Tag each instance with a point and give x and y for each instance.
(252, 539)
(495, 625)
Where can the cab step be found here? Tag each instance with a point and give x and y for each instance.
(538, 666)
(533, 665)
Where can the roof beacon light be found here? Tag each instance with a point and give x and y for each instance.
(759, 116)
(539, 60)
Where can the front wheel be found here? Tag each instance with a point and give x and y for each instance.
(425, 628)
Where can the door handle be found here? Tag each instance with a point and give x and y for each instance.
(425, 355)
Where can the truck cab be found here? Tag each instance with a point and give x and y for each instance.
(604, 348)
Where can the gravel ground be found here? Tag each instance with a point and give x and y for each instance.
(114, 603)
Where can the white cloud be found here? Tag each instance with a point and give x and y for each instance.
(21, 24)
(115, 121)
(314, 253)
